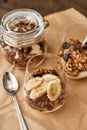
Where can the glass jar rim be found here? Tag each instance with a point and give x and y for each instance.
(16, 35)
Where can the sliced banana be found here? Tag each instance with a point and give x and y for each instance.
(53, 90)
(50, 77)
(33, 83)
(35, 47)
(38, 92)
(36, 51)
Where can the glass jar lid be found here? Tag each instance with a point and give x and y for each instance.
(22, 27)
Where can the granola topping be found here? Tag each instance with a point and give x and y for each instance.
(74, 57)
(21, 26)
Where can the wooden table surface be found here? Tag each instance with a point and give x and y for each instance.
(73, 115)
(47, 6)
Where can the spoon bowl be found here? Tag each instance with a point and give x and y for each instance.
(10, 83)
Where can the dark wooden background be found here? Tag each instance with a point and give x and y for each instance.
(44, 6)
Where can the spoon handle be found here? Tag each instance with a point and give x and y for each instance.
(20, 118)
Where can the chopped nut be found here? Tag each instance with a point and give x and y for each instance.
(61, 53)
(16, 56)
(21, 26)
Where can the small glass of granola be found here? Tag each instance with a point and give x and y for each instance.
(44, 85)
(73, 51)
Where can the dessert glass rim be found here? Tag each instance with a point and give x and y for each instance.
(41, 61)
(71, 26)
(75, 24)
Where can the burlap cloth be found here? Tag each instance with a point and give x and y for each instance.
(73, 115)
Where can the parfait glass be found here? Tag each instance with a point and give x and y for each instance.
(73, 51)
(50, 66)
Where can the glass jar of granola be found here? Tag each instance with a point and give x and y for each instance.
(22, 33)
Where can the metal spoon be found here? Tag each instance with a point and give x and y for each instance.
(10, 84)
(84, 43)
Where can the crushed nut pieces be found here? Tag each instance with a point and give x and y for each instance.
(74, 57)
(21, 26)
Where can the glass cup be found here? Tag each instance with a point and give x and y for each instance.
(73, 51)
(48, 90)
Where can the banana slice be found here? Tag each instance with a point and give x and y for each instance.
(36, 51)
(49, 77)
(38, 92)
(36, 47)
(53, 90)
(33, 83)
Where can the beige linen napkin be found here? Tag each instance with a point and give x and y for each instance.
(73, 115)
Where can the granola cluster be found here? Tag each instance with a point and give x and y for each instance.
(74, 57)
(21, 26)
(19, 56)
